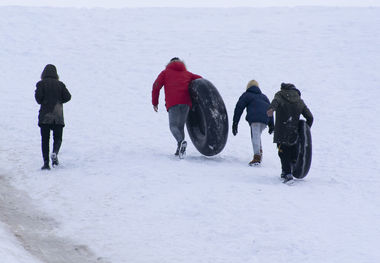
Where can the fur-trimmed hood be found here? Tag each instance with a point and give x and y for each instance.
(176, 65)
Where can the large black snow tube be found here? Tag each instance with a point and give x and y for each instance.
(303, 163)
(207, 123)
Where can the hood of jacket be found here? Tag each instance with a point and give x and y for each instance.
(50, 71)
(290, 93)
(176, 65)
(254, 89)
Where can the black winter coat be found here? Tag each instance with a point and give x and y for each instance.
(257, 105)
(289, 106)
(51, 94)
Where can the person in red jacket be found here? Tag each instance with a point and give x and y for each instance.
(176, 79)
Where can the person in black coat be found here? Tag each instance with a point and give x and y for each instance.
(288, 105)
(257, 105)
(51, 94)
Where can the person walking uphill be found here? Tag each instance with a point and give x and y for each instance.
(51, 94)
(257, 105)
(176, 79)
(288, 105)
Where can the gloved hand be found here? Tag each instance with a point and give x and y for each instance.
(234, 128)
(270, 129)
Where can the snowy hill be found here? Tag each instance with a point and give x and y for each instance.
(120, 195)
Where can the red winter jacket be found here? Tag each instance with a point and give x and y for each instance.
(176, 80)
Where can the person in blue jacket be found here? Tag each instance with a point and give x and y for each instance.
(257, 105)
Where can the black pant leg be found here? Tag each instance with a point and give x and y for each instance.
(285, 166)
(293, 153)
(45, 138)
(57, 137)
(288, 155)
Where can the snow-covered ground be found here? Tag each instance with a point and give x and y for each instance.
(10, 249)
(188, 3)
(120, 192)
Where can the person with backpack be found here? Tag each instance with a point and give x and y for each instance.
(51, 94)
(176, 79)
(257, 105)
(288, 105)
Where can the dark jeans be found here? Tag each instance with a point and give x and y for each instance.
(45, 139)
(288, 157)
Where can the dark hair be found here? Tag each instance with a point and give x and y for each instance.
(174, 59)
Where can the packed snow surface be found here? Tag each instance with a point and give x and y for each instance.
(187, 3)
(120, 191)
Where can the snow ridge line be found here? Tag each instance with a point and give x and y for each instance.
(35, 231)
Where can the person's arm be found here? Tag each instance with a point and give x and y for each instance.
(308, 116)
(273, 106)
(157, 85)
(39, 94)
(239, 108)
(271, 122)
(66, 96)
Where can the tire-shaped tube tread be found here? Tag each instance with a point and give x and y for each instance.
(303, 163)
(207, 122)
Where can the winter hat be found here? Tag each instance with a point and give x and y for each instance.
(174, 59)
(177, 60)
(289, 86)
(252, 83)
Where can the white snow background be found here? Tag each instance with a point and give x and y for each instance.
(120, 191)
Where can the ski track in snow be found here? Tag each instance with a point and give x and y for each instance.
(119, 190)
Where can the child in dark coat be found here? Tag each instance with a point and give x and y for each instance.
(257, 105)
(288, 105)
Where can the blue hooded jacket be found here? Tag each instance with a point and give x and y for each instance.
(257, 105)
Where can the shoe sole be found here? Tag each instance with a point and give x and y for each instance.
(288, 182)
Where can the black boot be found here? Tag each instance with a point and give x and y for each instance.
(288, 178)
(45, 166)
(54, 159)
